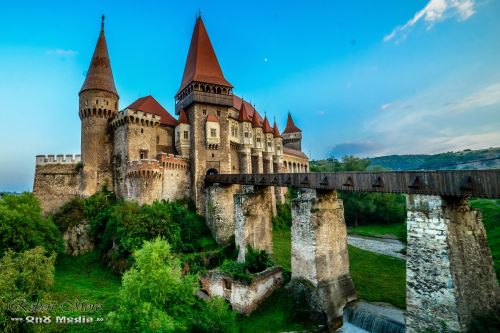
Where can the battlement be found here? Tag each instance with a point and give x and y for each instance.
(129, 116)
(173, 162)
(58, 159)
(144, 168)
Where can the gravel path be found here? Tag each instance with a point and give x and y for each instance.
(389, 247)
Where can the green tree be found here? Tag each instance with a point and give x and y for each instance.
(24, 276)
(23, 227)
(154, 297)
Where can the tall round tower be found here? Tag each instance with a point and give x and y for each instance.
(98, 104)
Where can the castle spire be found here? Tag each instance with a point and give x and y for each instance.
(99, 76)
(276, 132)
(201, 63)
(266, 128)
(290, 125)
(243, 113)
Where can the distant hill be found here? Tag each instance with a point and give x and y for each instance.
(466, 159)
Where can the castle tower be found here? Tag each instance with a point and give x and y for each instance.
(268, 151)
(98, 104)
(206, 97)
(292, 135)
(246, 140)
(257, 162)
(182, 135)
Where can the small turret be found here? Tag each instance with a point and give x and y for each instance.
(183, 135)
(278, 141)
(269, 137)
(245, 126)
(98, 104)
(292, 135)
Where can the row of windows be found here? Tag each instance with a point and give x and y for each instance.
(205, 112)
(97, 102)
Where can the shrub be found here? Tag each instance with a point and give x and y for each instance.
(154, 297)
(236, 270)
(215, 316)
(23, 227)
(257, 260)
(27, 275)
(69, 214)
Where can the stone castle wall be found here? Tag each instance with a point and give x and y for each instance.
(57, 180)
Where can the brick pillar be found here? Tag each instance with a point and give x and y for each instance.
(449, 269)
(219, 212)
(319, 252)
(253, 219)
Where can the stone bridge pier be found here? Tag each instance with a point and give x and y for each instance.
(219, 211)
(253, 214)
(449, 270)
(320, 260)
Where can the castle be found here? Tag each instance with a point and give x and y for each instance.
(143, 153)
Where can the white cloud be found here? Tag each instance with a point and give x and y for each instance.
(434, 11)
(386, 106)
(62, 52)
(437, 122)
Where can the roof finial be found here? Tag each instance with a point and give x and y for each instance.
(102, 22)
(198, 15)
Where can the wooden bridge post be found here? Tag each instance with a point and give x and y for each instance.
(253, 219)
(219, 211)
(449, 270)
(319, 253)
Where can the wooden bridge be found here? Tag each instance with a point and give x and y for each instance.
(467, 183)
(449, 269)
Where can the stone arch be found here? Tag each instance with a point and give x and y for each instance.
(212, 171)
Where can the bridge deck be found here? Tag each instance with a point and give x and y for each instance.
(475, 183)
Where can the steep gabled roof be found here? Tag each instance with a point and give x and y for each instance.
(276, 131)
(99, 75)
(201, 63)
(290, 126)
(266, 128)
(243, 114)
(183, 117)
(150, 105)
(213, 118)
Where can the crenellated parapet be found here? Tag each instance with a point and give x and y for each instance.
(146, 168)
(58, 159)
(173, 162)
(129, 116)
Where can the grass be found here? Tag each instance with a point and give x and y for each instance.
(378, 278)
(490, 209)
(274, 315)
(84, 279)
(387, 230)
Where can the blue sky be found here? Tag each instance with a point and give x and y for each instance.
(360, 77)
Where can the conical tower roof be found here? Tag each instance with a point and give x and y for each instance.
(290, 126)
(183, 117)
(243, 113)
(266, 128)
(99, 75)
(201, 63)
(276, 131)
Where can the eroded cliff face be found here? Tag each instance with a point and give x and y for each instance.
(77, 239)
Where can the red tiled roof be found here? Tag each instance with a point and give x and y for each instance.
(243, 114)
(150, 105)
(276, 131)
(183, 117)
(99, 76)
(237, 101)
(201, 63)
(298, 153)
(266, 128)
(290, 125)
(213, 118)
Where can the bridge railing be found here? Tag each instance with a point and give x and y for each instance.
(476, 183)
